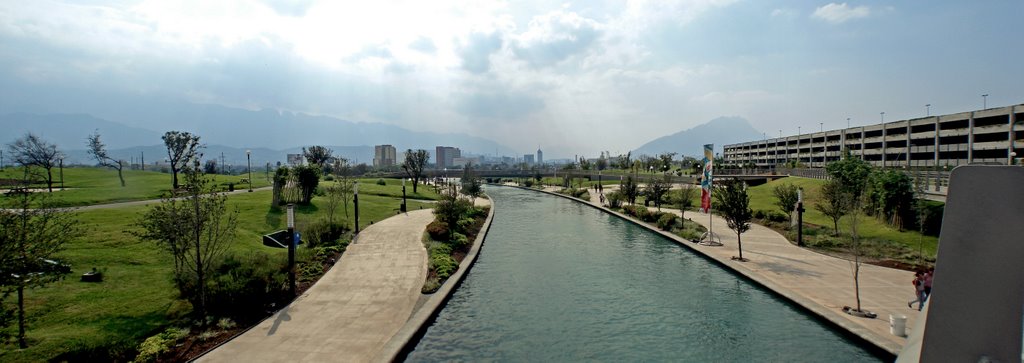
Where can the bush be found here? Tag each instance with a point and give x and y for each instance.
(667, 221)
(615, 199)
(776, 216)
(459, 241)
(241, 287)
(323, 233)
(152, 347)
(441, 260)
(438, 230)
(759, 214)
(381, 182)
(528, 183)
(329, 177)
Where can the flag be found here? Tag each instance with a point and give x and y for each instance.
(705, 183)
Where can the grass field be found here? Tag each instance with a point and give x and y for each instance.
(761, 197)
(137, 297)
(88, 185)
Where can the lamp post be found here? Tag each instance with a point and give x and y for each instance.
(291, 247)
(927, 110)
(403, 209)
(248, 162)
(984, 101)
(882, 114)
(355, 203)
(1013, 154)
(847, 122)
(61, 173)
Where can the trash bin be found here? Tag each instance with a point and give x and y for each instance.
(898, 325)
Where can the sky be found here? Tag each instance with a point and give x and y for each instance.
(569, 77)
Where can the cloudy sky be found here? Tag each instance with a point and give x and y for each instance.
(569, 77)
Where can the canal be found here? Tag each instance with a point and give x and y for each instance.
(560, 281)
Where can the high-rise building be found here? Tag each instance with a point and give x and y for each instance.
(540, 157)
(445, 156)
(384, 155)
(528, 159)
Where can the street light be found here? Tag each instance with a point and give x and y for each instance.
(984, 101)
(883, 116)
(248, 161)
(927, 110)
(355, 203)
(1013, 154)
(403, 209)
(291, 247)
(62, 173)
(847, 122)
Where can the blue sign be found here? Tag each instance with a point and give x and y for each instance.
(297, 238)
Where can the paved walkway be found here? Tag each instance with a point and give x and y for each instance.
(821, 283)
(353, 310)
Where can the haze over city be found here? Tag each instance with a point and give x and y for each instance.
(572, 78)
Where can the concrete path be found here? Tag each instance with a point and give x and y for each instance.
(821, 283)
(353, 310)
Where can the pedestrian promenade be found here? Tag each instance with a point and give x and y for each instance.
(820, 283)
(353, 310)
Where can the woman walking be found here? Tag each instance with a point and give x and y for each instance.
(918, 291)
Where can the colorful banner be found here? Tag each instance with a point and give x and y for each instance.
(706, 181)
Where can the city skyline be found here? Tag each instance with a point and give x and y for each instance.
(522, 73)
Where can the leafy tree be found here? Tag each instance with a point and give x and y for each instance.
(32, 232)
(666, 161)
(602, 162)
(630, 189)
(684, 199)
(181, 148)
(734, 205)
(308, 178)
(210, 166)
(317, 155)
(450, 208)
(656, 190)
(851, 175)
(415, 162)
(471, 185)
(196, 230)
(833, 203)
(786, 197)
(31, 150)
(891, 197)
(99, 151)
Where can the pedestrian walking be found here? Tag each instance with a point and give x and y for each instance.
(918, 291)
(928, 282)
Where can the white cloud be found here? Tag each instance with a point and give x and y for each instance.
(839, 13)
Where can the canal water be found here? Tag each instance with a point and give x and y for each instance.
(560, 281)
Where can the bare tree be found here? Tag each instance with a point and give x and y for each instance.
(99, 151)
(415, 162)
(334, 197)
(685, 199)
(32, 232)
(181, 148)
(31, 150)
(196, 230)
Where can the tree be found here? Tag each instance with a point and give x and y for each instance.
(734, 205)
(196, 230)
(852, 175)
(181, 148)
(666, 161)
(32, 232)
(684, 199)
(833, 203)
(891, 197)
(450, 208)
(317, 155)
(210, 166)
(31, 150)
(786, 197)
(415, 162)
(471, 185)
(345, 183)
(602, 162)
(99, 151)
(308, 178)
(656, 190)
(630, 189)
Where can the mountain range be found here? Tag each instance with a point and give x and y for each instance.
(719, 131)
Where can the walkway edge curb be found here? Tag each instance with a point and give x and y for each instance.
(822, 312)
(404, 341)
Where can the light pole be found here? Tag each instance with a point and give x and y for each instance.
(403, 209)
(62, 173)
(291, 248)
(847, 122)
(248, 162)
(984, 101)
(1013, 154)
(927, 110)
(355, 203)
(821, 127)
(883, 116)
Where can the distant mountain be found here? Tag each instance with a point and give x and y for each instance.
(270, 134)
(719, 131)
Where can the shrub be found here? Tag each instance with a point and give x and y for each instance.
(323, 233)
(441, 260)
(759, 214)
(329, 177)
(459, 240)
(242, 286)
(615, 199)
(528, 183)
(381, 182)
(438, 230)
(152, 347)
(776, 216)
(667, 221)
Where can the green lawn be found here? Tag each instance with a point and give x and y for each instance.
(761, 197)
(137, 297)
(88, 185)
